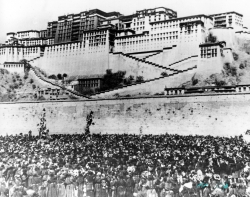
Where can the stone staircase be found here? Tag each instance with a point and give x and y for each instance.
(184, 63)
(148, 62)
(151, 55)
(173, 64)
(172, 67)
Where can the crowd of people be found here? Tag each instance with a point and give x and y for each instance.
(124, 165)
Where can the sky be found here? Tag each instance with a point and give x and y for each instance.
(21, 15)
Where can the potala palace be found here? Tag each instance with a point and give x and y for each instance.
(146, 43)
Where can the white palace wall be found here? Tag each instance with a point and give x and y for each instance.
(75, 59)
(210, 66)
(16, 53)
(16, 67)
(243, 35)
(228, 55)
(225, 34)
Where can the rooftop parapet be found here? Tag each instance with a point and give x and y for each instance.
(183, 18)
(28, 31)
(221, 44)
(226, 13)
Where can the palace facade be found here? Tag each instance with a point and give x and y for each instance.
(144, 43)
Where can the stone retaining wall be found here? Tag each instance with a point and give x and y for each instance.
(225, 115)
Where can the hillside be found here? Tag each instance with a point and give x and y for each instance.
(236, 73)
(14, 86)
(20, 87)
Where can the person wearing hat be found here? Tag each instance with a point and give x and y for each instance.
(79, 185)
(175, 183)
(30, 176)
(10, 188)
(142, 192)
(241, 187)
(232, 190)
(130, 186)
(171, 185)
(121, 185)
(97, 184)
(37, 179)
(162, 192)
(157, 184)
(217, 187)
(204, 186)
(104, 187)
(113, 186)
(61, 189)
(89, 183)
(24, 179)
(151, 186)
(136, 179)
(52, 187)
(70, 187)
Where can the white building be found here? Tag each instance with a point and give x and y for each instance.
(228, 19)
(160, 34)
(153, 35)
(27, 34)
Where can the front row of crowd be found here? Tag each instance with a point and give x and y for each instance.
(102, 165)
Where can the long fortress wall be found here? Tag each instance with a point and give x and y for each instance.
(223, 115)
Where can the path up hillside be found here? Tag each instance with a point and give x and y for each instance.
(19, 87)
(16, 87)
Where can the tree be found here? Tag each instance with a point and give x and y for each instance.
(27, 66)
(139, 79)
(26, 76)
(194, 80)
(33, 86)
(31, 80)
(52, 77)
(219, 83)
(129, 80)
(233, 71)
(229, 69)
(241, 66)
(132, 78)
(235, 56)
(164, 74)
(42, 125)
(211, 38)
(59, 76)
(89, 120)
(113, 80)
(108, 71)
(64, 75)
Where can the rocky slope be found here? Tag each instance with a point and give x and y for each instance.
(236, 73)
